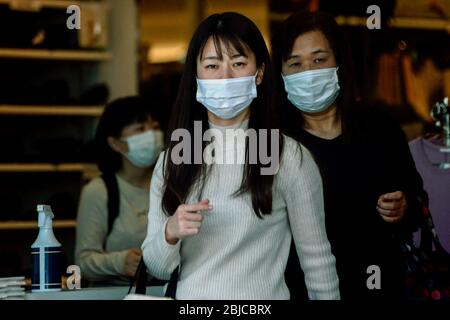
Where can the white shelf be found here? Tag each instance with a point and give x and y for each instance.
(70, 55)
(26, 225)
(398, 22)
(90, 111)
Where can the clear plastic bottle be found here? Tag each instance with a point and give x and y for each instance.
(46, 254)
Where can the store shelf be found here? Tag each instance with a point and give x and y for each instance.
(71, 55)
(44, 167)
(89, 170)
(37, 4)
(435, 24)
(399, 22)
(90, 111)
(25, 225)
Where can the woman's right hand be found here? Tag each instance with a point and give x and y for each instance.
(186, 221)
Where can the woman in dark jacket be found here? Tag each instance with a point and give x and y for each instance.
(370, 180)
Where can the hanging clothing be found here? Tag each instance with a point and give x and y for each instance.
(436, 181)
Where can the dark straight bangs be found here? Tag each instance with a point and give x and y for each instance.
(229, 41)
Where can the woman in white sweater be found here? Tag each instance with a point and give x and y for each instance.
(218, 211)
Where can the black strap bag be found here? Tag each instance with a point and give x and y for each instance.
(141, 277)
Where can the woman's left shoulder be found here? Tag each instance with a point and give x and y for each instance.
(376, 121)
(293, 154)
(291, 148)
(371, 114)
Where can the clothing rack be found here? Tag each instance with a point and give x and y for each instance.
(441, 115)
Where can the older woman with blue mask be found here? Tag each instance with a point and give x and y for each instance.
(371, 185)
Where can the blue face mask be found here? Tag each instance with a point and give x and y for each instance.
(312, 91)
(144, 148)
(227, 98)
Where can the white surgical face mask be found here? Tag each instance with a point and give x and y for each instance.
(144, 148)
(312, 91)
(226, 98)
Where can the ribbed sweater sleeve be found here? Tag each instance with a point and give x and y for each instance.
(302, 186)
(160, 257)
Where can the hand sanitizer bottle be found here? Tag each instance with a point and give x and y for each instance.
(46, 254)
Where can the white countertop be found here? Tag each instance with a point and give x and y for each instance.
(106, 293)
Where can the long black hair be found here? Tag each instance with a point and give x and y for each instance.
(117, 115)
(282, 43)
(234, 31)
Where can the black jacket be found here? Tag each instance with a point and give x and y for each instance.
(373, 159)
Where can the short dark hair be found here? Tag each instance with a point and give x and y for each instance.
(117, 115)
(282, 44)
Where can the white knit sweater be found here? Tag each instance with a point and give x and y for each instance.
(236, 255)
